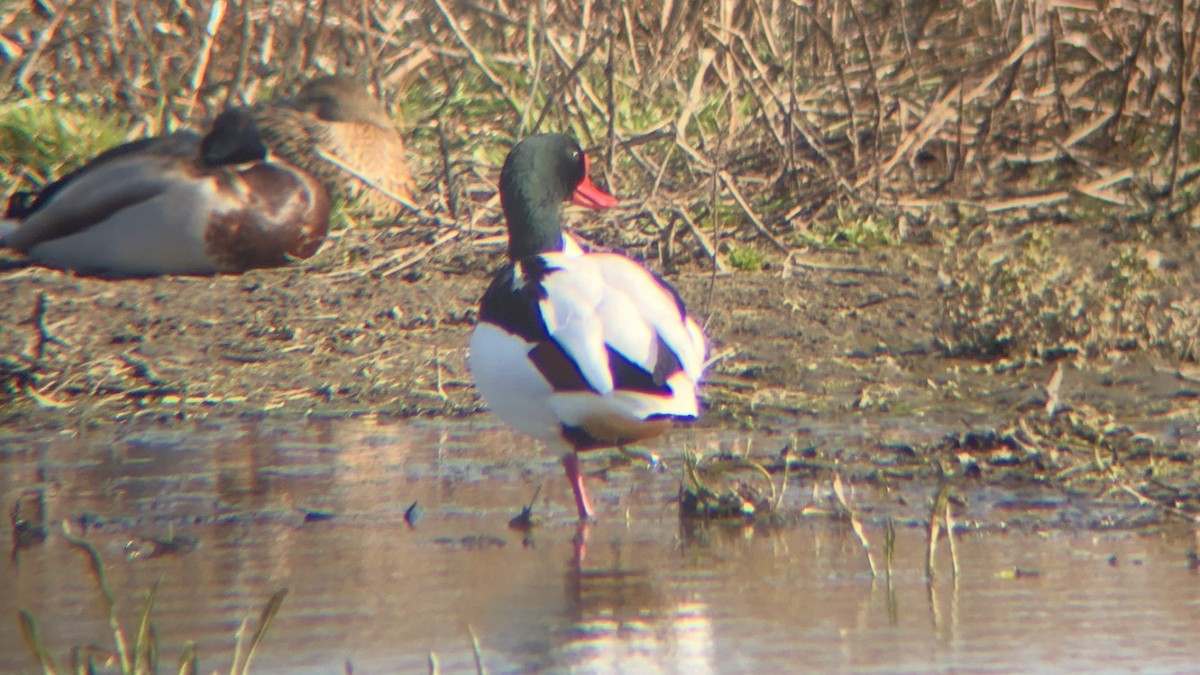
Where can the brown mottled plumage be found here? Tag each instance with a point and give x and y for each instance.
(335, 116)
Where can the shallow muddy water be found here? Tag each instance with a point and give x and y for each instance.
(319, 508)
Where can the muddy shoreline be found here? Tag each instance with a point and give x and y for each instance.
(848, 338)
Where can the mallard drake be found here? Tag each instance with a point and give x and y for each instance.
(219, 208)
(334, 116)
(582, 350)
(181, 144)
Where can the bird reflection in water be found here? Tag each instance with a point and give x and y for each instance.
(622, 622)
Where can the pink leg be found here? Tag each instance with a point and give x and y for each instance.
(579, 542)
(570, 462)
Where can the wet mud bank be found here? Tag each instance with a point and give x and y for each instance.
(377, 324)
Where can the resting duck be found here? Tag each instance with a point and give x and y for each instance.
(335, 116)
(181, 144)
(331, 115)
(582, 350)
(220, 208)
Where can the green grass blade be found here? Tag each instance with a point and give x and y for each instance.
(189, 660)
(264, 622)
(97, 569)
(83, 660)
(477, 650)
(936, 523)
(29, 631)
(239, 638)
(143, 644)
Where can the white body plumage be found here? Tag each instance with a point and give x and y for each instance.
(612, 320)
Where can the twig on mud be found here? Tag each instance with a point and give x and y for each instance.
(415, 258)
(610, 99)
(1028, 201)
(948, 518)
(836, 57)
(437, 365)
(1174, 135)
(936, 524)
(539, 49)
(783, 483)
(793, 260)
(984, 132)
(581, 83)
(238, 84)
(1167, 508)
(41, 399)
(476, 650)
(702, 238)
(165, 94)
(718, 357)
(44, 335)
(447, 177)
(855, 522)
(142, 369)
(939, 112)
(570, 76)
(758, 223)
(872, 302)
(1095, 189)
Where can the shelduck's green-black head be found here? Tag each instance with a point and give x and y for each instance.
(541, 173)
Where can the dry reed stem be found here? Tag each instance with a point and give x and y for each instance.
(820, 109)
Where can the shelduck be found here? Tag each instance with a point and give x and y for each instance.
(582, 350)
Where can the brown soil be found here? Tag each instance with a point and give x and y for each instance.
(360, 330)
(379, 323)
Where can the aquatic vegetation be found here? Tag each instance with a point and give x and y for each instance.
(142, 655)
(1046, 293)
(710, 489)
(1084, 451)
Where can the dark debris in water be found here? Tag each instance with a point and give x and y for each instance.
(711, 490)
(470, 542)
(525, 520)
(1081, 451)
(88, 521)
(318, 515)
(28, 519)
(145, 548)
(1016, 572)
(739, 501)
(411, 515)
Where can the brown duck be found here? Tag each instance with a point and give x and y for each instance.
(333, 120)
